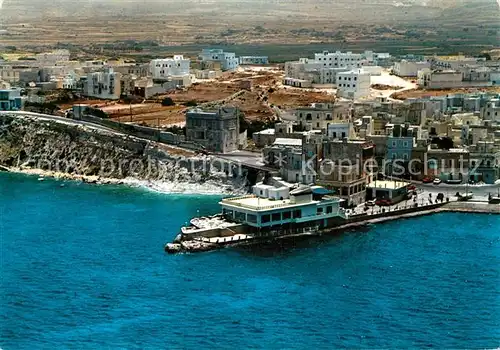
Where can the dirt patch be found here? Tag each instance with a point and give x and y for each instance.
(422, 93)
(291, 98)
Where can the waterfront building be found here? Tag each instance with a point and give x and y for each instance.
(227, 60)
(448, 164)
(283, 207)
(342, 168)
(164, 69)
(392, 191)
(215, 130)
(10, 100)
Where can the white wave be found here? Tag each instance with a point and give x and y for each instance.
(192, 188)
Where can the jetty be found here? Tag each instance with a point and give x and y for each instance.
(203, 244)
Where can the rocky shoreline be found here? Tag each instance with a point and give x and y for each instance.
(74, 152)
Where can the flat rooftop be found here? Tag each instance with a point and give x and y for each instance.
(392, 185)
(256, 203)
(288, 142)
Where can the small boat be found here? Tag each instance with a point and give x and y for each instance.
(41, 178)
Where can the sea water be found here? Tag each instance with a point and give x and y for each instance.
(83, 267)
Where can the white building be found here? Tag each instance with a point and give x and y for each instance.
(340, 130)
(104, 84)
(326, 66)
(353, 84)
(491, 111)
(163, 69)
(254, 60)
(340, 59)
(410, 68)
(452, 62)
(228, 60)
(69, 81)
(305, 72)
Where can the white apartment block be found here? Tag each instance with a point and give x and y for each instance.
(409, 68)
(340, 131)
(228, 60)
(447, 79)
(308, 72)
(452, 62)
(491, 111)
(163, 69)
(104, 84)
(326, 66)
(353, 84)
(340, 59)
(254, 60)
(70, 81)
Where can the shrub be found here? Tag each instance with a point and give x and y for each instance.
(167, 101)
(191, 103)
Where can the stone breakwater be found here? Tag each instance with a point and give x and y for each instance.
(61, 150)
(201, 244)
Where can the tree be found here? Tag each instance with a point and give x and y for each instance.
(167, 101)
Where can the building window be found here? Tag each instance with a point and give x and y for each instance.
(252, 218)
(319, 211)
(265, 218)
(286, 215)
(297, 214)
(276, 216)
(329, 209)
(239, 216)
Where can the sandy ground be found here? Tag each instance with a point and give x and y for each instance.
(387, 79)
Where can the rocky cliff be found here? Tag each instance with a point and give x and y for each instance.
(31, 143)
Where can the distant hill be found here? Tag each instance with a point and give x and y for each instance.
(357, 11)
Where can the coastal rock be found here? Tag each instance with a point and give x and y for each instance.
(95, 156)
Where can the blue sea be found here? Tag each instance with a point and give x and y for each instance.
(83, 267)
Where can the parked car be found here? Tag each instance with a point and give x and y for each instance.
(412, 187)
(427, 180)
(371, 203)
(436, 181)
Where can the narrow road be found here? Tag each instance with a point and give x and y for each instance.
(59, 119)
